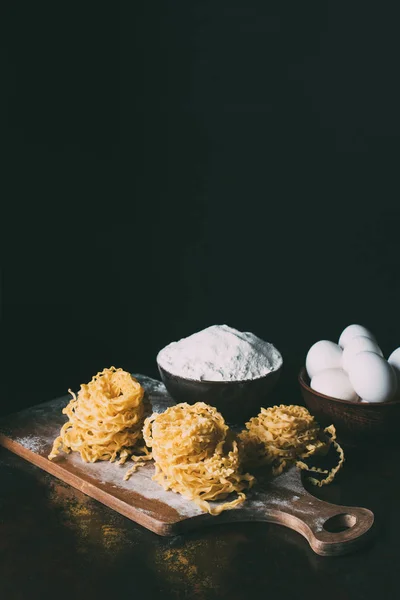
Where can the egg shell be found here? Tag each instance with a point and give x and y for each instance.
(352, 331)
(334, 383)
(358, 344)
(394, 361)
(323, 355)
(394, 358)
(372, 377)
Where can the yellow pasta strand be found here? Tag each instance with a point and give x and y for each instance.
(105, 419)
(283, 435)
(196, 455)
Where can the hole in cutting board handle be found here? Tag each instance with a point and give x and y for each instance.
(340, 523)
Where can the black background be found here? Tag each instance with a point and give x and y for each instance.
(172, 165)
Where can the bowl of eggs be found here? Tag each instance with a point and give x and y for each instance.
(352, 385)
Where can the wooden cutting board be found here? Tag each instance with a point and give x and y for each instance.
(330, 529)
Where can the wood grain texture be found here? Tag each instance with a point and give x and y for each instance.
(330, 529)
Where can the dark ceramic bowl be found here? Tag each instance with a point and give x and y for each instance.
(355, 422)
(237, 401)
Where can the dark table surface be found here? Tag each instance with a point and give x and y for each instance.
(56, 542)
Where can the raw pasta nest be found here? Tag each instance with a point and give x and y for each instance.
(196, 455)
(105, 419)
(283, 435)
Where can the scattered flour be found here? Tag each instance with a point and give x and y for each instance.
(32, 443)
(319, 524)
(159, 398)
(141, 483)
(220, 353)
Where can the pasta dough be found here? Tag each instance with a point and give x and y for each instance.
(196, 455)
(283, 435)
(105, 419)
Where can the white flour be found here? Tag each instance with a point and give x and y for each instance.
(220, 353)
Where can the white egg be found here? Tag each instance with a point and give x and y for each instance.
(358, 344)
(394, 360)
(323, 355)
(372, 377)
(353, 331)
(335, 383)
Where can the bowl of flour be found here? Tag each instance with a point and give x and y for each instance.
(233, 371)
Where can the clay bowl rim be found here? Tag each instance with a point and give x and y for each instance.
(220, 383)
(361, 405)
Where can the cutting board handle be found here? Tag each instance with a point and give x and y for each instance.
(337, 529)
(330, 529)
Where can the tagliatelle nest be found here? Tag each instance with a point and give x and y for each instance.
(196, 455)
(105, 419)
(283, 435)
